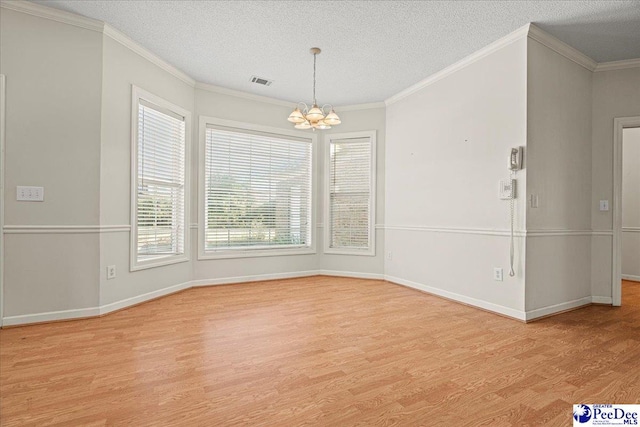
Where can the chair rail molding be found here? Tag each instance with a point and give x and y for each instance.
(65, 229)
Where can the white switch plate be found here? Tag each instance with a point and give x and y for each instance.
(389, 256)
(533, 200)
(29, 194)
(111, 272)
(604, 205)
(497, 274)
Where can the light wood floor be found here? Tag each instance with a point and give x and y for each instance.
(318, 351)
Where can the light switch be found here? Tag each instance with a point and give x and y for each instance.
(29, 194)
(604, 205)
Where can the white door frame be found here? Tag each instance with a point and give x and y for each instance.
(619, 124)
(2, 154)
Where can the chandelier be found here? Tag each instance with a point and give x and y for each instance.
(314, 117)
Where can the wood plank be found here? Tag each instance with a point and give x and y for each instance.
(318, 351)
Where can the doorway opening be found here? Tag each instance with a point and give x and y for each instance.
(2, 154)
(626, 206)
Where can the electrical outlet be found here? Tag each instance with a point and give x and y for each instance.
(497, 274)
(111, 272)
(389, 256)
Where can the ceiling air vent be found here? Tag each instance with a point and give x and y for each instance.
(261, 81)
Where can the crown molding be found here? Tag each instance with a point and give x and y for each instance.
(124, 40)
(357, 107)
(476, 56)
(94, 25)
(275, 101)
(246, 95)
(618, 65)
(528, 30)
(53, 14)
(561, 47)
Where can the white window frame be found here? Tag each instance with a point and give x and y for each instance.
(371, 250)
(249, 253)
(137, 95)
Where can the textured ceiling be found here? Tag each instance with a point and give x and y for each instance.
(370, 49)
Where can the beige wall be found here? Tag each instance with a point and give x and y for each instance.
(222, 106)
(353, 121)
(122, 69)
(68, 128)
(446, 150)
(631, 203)
(615, 94)
(53, 87)
(559, 174)
(81, 154)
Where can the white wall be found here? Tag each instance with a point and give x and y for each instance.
(54, 74)
(615, 94)
(559, 174)
(631, 203)
(447, 148)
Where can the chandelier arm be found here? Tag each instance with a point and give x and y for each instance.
(326, 105)
(305, 109)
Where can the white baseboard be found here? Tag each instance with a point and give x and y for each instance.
(128, 302)
(254, 278)
(556, 308)
(631, 277)
(50, 316)
(352, 274)
(505, 311)
(108, 308)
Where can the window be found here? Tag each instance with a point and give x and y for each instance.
(159, 186)
(350, 193)
(257, 186)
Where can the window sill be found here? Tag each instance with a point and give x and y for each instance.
(239, 253)
(158, 262)
(367, 252)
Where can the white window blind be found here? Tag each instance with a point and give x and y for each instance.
(350, 173)
(160, 202)
(257, 190)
